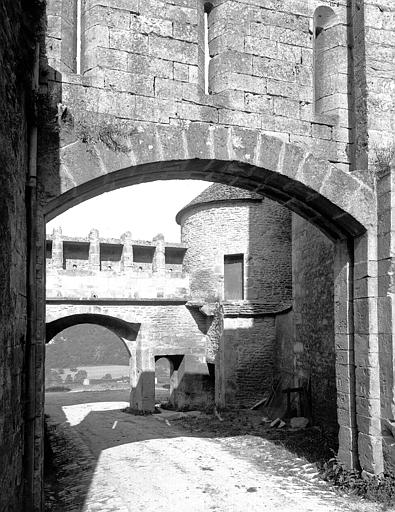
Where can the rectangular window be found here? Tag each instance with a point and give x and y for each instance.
(206, 24)
(234, 277)
(78, 37)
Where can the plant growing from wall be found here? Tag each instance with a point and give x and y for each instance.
(383, 158)
(92, 128)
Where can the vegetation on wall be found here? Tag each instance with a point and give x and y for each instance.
(383, 158)
(92, 128)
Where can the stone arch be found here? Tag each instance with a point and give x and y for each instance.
(340, 204)
(126, 331)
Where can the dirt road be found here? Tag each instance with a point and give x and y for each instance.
(113, 461)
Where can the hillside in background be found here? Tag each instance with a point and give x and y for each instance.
(87, 345)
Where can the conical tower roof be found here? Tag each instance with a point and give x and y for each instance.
(219, 192)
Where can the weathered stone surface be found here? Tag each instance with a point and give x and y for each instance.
(266, 49)
(299, 422)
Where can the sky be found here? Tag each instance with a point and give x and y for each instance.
(145, 210)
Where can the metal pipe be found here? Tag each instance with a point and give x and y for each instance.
(31, 289)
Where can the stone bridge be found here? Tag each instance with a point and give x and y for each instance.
(137, 290)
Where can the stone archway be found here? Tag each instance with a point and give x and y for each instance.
(126, 331)
(340, 204)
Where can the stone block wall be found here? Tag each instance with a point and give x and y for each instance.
(246, 360)
(373, 32)
(260, 230)
(142, 70)
(313, 315)
(88, 267)
(18, 23)
(167, 329)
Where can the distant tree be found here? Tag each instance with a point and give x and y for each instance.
(61, 371)
(53, 378)
(80, 376)
(107, 376)
(69, 379)
(74, 369)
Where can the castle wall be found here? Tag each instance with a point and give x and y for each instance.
(245, 349)
(160, 65)
(111, 268)
(246, 360)
(166, 329)
(17, 25)
(313, 315)
(144, 61)
(261, 231)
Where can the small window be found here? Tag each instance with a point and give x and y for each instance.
(234, 277)
(207, 9)
(326, 56)
(78, 35)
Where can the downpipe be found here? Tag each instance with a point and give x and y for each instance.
(31, 390)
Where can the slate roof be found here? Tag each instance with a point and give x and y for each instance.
(219, 192)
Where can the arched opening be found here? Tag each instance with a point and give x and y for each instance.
(162, 380)
(88, 352)
(87, 357)
(315, 192)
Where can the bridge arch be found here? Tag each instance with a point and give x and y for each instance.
(340, 204)
(126, 331)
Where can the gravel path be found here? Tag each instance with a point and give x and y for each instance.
(113, 461)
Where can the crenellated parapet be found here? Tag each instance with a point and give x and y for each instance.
(93, 266)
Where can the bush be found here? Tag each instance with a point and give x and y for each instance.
(376, 488)
(57, 388)
(80, 376)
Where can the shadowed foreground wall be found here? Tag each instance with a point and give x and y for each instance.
(16, 59)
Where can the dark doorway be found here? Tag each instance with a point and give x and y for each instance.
(233, 277)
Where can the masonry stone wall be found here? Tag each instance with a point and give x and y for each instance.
(165, 329)
(313, 315)
(242, 334)
(140, 90)
(260, 230)
(149, 86)
(18, 23)
(87, 267)
(247, 360)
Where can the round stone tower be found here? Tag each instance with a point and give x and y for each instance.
(239, 246)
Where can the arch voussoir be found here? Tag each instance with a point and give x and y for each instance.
(238, 156)
(118, 326)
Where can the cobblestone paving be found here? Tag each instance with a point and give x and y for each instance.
(112, 461)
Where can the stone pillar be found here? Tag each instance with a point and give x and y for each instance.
(158, 263)
(142, 380)
(57, 248)
(174, 386)
(194, 388)
(345, 356)
(386, 300)
(127, 252)
(94, 250)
